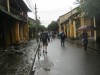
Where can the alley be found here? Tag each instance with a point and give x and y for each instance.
(68, 60)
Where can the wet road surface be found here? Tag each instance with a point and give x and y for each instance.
(68, 60)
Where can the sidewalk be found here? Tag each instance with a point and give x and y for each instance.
(91, 44)
(18, 62)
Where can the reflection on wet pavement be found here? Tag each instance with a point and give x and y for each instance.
(44, 65)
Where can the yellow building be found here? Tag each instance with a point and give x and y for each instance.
(72, 21)
(68, 24)
(14, 27)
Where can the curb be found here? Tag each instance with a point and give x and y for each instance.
(32, 70)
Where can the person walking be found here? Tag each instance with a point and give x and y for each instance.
(62, 36)
(85, 39)
(45, 39)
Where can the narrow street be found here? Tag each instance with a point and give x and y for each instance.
(24, 23)
(68, 60)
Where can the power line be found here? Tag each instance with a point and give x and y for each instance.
(50, 11)
(30, 3)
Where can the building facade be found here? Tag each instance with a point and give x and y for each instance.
(73, 23)
(13, 22)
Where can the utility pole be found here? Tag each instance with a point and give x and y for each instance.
(35, 12)
(36, 23)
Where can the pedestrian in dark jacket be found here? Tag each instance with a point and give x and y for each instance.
(62, 36)
(85, 39)
(45, 39)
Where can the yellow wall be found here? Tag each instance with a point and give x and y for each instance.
(21, 32)
(71, 29)
(68, 31)
(65, 29)
(26, 32)
(74, 26)
(17, 31)
(82, 21)
(59, 28)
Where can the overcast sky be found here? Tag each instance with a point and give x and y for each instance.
(50, 10)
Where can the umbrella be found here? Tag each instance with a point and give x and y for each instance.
(86, 27)
(60, 33)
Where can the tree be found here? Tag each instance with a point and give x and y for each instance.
(53, 26)
(90, 7)
(42, 28)
(31, 23)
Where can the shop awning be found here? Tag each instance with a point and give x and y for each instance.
(86, 27)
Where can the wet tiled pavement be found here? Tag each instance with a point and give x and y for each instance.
(18, 62)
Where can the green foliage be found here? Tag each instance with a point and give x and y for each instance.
(42, 28)
(53, 26)
(36, 24)
(90, 7)
(31, 23)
